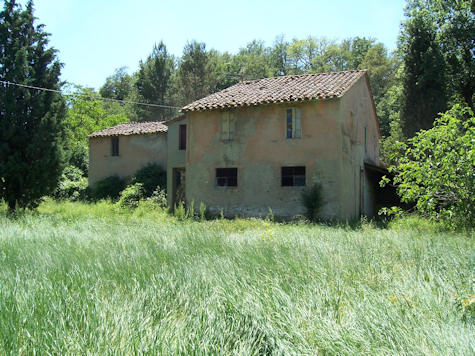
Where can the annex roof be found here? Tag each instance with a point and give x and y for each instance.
(132, 128)
(282, 89)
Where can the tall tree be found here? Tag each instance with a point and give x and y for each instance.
(192, 79)
(424, 78)
(30, 120)
(153, 83)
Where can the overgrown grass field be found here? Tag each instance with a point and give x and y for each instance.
(96, 279)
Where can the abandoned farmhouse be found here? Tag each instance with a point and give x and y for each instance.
(257, 145)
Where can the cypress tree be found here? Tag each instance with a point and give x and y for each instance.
(30, 120)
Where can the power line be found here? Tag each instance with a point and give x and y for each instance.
(7, 83)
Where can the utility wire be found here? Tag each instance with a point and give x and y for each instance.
(7, 83)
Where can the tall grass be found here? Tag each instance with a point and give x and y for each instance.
(93, 278)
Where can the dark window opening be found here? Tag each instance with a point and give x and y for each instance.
(115, 145)
(182, 137)
(293, 176)
(226, 177)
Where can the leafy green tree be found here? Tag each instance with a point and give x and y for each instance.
(31, 128)
(454, 24)
(253, 61)
(435, 169)
(302, 53)
(424, 78)
(117, 86)
(279, 58)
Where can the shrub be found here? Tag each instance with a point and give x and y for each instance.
(72, 185)
(312, 200)
(436, 171)
(109, 187)
(159, 197)
(131, 196)
(151, 177)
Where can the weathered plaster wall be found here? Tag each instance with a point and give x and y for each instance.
(176, 157)
(135, 152)
(357, 113)
(259, 150)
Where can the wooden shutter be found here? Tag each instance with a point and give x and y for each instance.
(297, 123)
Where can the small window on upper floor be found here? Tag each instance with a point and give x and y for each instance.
(293, 176)
(182, 137)
(115, 145)
(227, 126)
(293, 123)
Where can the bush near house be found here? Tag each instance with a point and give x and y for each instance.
(151, 177)
(313, 200)
(131, 196)
(108, 188)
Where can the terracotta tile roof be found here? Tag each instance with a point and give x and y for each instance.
(283, 89)
(132, 128)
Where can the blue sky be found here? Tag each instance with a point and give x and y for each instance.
(94, 37)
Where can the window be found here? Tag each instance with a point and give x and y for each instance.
(293, 123)
(115, 145)
(182, 137)
(293, 176)
(227, 127)
(226, 177)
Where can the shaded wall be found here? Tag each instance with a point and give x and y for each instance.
(135, 152)
(357, 113)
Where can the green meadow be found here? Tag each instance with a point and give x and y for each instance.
(79, 278)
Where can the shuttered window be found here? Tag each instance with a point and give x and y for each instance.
(227, 126)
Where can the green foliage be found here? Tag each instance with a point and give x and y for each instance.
(98, 279)
(72, 185)
(313, 200)
(159, 198)
(117, 86)
(31, 129)
(436, 169)
(454, 24)
(151, 177)
(77, 155)
(424, 79)
(108, 188)
(87, 114)
(131, 196)
(179, 211)
(193, 77)
(153, 83)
